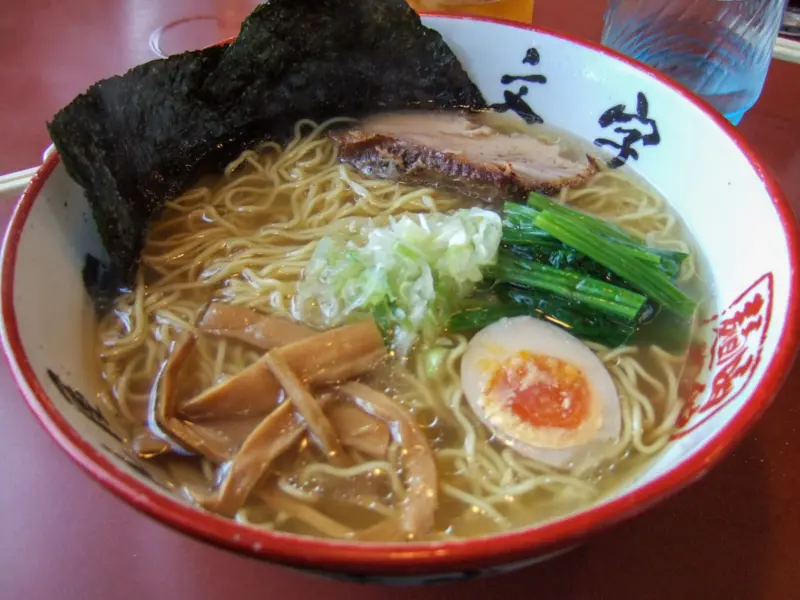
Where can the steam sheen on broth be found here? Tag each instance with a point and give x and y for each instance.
(244, 239)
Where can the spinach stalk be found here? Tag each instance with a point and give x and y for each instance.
(571, 230)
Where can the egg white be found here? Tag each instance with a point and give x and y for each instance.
(507, 337)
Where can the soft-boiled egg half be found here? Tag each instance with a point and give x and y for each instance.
(541, 391)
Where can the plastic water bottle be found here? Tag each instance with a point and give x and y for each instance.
(719, 49)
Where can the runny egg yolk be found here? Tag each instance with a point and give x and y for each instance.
(542, 391)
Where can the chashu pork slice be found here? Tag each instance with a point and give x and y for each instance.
(451, 150)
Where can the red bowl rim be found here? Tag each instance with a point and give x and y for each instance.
(406, 558)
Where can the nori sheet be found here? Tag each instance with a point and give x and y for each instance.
(135, 141)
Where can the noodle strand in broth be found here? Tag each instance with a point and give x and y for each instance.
(245, 241)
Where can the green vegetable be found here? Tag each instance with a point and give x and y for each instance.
(669, 261)
(571, 230)
(523, 238)
(518, 226)
(586, 291)
(382, 313)
(668, 330)
(520, 216)
(561, 256)
(408, 274)
(512, 235)
(434, 357)
(540, 203)
(593, 327)
(479, 317)
(514, 302)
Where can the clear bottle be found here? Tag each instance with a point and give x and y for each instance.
(719, 49)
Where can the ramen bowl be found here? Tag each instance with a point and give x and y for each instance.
(725, 195)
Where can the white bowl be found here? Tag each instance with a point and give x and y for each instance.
(724, 193)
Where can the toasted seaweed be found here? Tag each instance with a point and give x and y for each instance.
(102, 283)
(135, 141)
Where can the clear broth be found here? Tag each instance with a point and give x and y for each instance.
(334, 496)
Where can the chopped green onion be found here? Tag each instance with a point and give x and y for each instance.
(434, 357)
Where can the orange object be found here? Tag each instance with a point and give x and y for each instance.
(513, 10)
(543, 391)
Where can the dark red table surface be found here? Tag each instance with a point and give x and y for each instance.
(734, 535)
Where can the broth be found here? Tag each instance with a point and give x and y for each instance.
(245, 238)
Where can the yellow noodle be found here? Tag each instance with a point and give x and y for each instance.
(473, 501)
(246, 240)
(377, 468)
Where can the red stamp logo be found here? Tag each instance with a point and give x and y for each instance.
(733, 357)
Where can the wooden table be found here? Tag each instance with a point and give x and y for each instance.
(735, 535)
